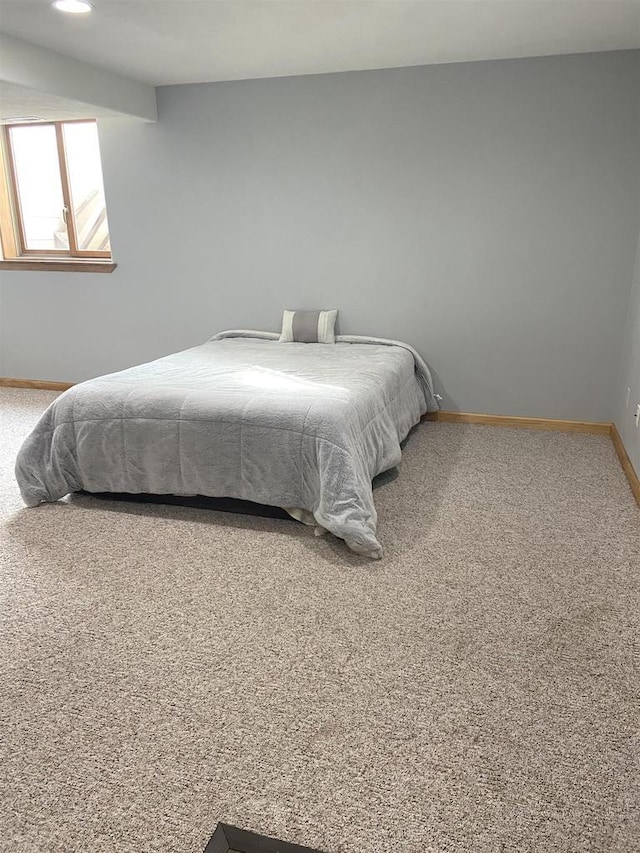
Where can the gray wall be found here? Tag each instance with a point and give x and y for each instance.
(629, 376)
(485, 212)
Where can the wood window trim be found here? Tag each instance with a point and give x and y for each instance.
(57, 265)
(15, 255)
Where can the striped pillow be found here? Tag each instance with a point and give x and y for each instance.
(308, 327)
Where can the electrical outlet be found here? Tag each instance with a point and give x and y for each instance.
(627, 399)
(636, 417)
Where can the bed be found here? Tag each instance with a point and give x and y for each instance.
(301, 426)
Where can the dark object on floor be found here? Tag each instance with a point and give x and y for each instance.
(230, 839)
(198, 501)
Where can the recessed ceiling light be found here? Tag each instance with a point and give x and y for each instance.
(75, 7)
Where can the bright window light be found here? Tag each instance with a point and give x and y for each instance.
(75, 7)
(55, 180)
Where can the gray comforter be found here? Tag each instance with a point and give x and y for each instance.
(303, 426)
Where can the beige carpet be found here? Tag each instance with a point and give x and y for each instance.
(165, 668)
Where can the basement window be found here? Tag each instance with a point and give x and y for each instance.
(53, 212)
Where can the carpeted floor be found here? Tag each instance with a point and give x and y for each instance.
(165, 668)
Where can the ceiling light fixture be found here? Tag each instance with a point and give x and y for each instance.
(74, 7)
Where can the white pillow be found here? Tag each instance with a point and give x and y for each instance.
(308, 327)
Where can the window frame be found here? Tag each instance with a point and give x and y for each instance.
(14, 248)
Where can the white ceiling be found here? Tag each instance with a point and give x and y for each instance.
(180, 41)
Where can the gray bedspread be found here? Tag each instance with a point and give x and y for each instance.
(242, 416)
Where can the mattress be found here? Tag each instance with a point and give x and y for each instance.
(301, 426)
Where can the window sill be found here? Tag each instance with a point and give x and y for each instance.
(46, 265)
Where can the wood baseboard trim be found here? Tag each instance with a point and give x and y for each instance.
(627, 465)
(592, 427)
(34, 384)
